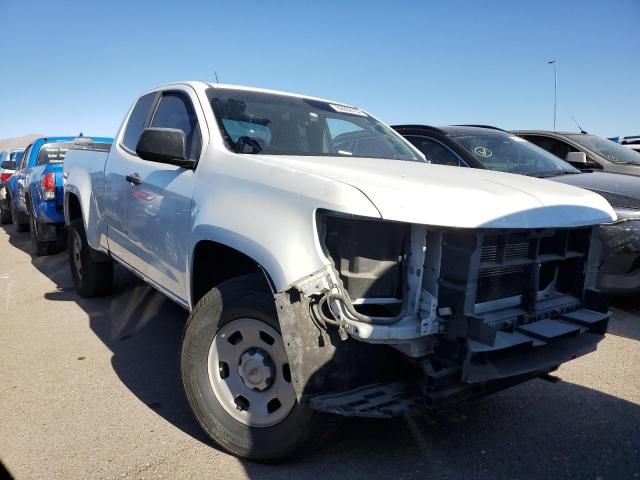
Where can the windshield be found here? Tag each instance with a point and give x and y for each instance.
(614, 152)
(53, 153)
(265, 123)
(508, 153)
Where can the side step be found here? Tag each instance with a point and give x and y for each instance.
(373, 401)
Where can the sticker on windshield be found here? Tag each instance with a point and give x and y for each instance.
(517, 139)
(483, 152)
(349, 110)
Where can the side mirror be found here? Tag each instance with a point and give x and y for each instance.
(8, 164)
(163, 145)
(578, 159)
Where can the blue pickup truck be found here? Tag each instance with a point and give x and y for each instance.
(35, 192)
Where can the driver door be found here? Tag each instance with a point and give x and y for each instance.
(158, 212)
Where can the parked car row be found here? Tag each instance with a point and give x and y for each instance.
(495, 149)
(8, 164)
(32, 194)
(333, 265)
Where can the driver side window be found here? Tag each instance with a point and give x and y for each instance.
(175, 111)
(137, 121)
(25, 157)
(556, 147)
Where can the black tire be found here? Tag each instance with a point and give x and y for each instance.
(91, 278)
(5, 216)
(242, 297)
(15, 216)
(40, 248)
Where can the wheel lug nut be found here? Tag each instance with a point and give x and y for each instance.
(241, 403)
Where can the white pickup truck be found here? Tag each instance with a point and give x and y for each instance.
(326, 267)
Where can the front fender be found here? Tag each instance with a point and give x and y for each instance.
(268, 212)
(14, 194)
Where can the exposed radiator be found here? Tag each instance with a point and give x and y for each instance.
(485, 266)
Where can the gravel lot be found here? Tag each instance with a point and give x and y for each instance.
(91, 389)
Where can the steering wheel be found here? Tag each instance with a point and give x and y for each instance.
(247, 144)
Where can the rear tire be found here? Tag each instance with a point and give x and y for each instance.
(242, 305)
(40, 248)
(91, 278)
(5, 216)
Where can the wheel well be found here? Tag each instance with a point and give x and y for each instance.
(214, 263)
(73, 208)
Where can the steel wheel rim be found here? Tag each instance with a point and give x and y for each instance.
(249, 373)
(75, 253)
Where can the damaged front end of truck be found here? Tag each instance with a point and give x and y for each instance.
(410, 317)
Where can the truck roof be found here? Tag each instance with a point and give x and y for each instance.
(70, 139)
(548, 132)
(199, 84)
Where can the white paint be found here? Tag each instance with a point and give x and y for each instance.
(265, 206)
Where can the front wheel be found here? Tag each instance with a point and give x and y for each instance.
(237, 377)
(91, 277)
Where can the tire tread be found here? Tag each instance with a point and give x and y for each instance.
(97, 278)
(306, 426)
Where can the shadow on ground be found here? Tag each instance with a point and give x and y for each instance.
(141, 327)
(626, 310)
(536, 430)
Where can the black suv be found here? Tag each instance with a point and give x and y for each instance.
(495, 149)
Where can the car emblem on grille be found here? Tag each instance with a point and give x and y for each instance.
(483, 151)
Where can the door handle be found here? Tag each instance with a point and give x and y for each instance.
(134, 178)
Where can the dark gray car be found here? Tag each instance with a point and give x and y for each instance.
(599, 153)
(495, 149)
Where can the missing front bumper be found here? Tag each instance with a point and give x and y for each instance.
(531, 351)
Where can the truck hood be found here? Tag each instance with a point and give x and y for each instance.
(621, 191)
(625, 168)
(427, 194)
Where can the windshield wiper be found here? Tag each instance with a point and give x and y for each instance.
(549, 174)
(543, 174)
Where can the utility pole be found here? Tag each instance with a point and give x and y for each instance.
(555, 90)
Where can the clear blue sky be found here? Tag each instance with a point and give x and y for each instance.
(77, 66)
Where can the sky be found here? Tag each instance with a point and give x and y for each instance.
(73, 67)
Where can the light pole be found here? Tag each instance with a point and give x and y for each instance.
(555, 90)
